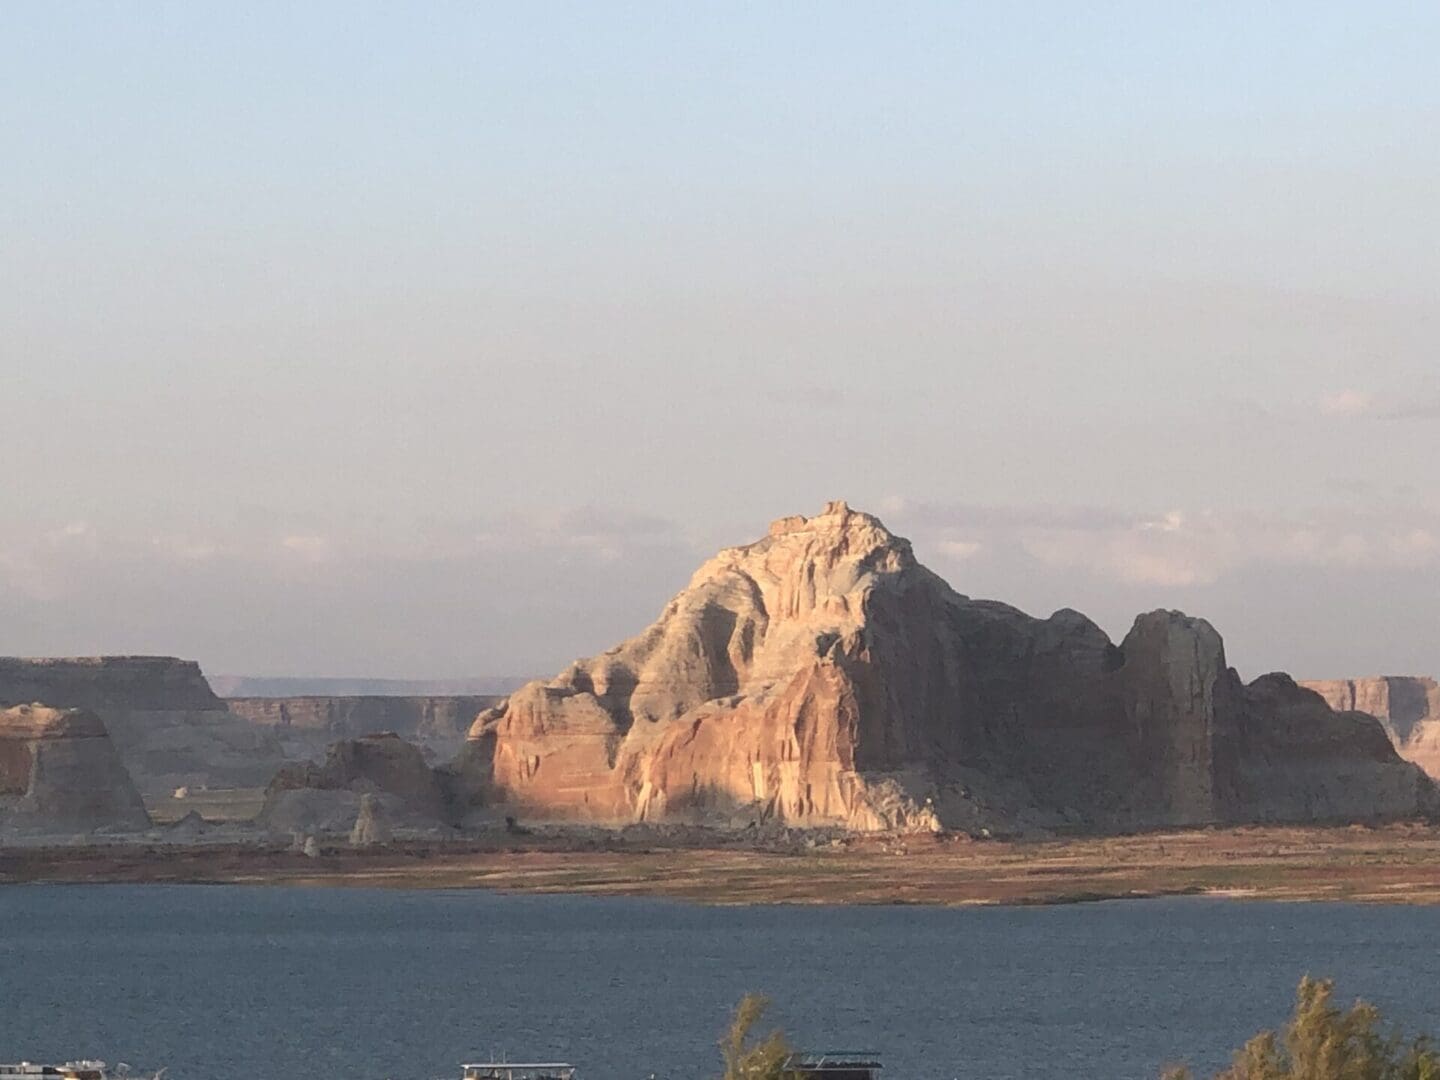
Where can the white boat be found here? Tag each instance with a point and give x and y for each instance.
(70, 1070)
(515, 1070)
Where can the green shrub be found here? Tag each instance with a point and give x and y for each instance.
(753, 1060)
(1324, 1042)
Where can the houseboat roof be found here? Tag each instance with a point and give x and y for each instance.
(517, 1064)
(834, 1059)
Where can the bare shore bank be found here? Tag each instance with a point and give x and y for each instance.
(1392, 864)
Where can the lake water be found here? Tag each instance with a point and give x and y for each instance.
(222, 982)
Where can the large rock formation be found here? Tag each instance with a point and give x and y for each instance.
(306, 726)
(1407, 706)
(60, 773)
(305, 797)
(822, 677)
(167, 725)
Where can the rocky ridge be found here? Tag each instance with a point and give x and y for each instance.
(822, 677)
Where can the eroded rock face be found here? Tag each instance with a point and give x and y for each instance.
(60, 773)
(1407, 706)
(821, 676)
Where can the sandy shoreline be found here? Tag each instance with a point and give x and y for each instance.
(1393, 864)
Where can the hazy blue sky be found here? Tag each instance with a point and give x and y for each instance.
(445, 339)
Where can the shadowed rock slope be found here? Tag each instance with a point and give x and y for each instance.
(822, 677)
(60, 773)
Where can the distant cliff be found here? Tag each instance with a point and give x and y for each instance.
(439, 723)
(147, 683)
(821, 676)
(262, 686)
(1407, 706)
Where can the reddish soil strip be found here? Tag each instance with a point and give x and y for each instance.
(1395, 864)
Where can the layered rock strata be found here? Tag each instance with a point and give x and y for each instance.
(59, 772)
(822, 677)
(1407, 706)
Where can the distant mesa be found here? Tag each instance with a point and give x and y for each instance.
(1407, 706)
(135, 683)
(264, 686)
(307, 725)
(821, 676)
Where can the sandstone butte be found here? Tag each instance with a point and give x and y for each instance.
(60, 772)
(822, 677)
(1407, 706)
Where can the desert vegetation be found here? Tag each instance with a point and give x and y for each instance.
(746, 1056)
(1322, 1041)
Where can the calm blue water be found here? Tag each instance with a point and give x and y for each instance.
(274, 983)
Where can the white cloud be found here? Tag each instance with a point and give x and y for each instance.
(1173, 521)
(600, 534)
(308, 546)
(456, 594)
(960, 549)
(1413, 403)
(185, 548)
(1182, 548)
(1347, 402)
